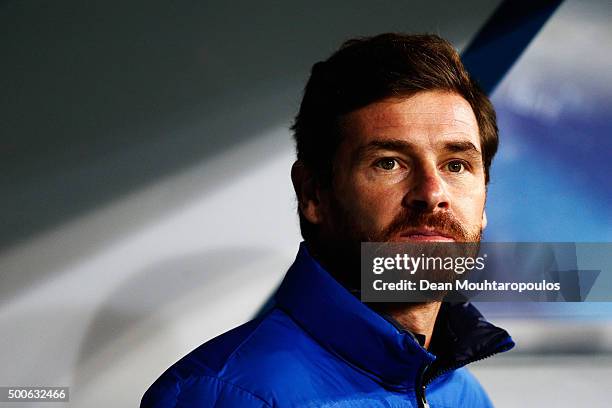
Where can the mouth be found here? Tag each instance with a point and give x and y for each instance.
(425, 235)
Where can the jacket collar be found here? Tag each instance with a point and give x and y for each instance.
(373, 344)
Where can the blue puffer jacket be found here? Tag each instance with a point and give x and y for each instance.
(321, 347)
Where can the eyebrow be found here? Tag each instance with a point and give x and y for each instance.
(462, 147)
(404, 146)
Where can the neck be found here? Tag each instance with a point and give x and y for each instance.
(415, 317)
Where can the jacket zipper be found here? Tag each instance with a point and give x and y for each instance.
(421, 386)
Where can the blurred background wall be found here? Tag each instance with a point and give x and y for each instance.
(145, 197)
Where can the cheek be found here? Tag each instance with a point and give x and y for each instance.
(376, 201)
(468, 204)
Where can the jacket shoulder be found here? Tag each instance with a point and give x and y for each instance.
(237, 368)
(200, 391)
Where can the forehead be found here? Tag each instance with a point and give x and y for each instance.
(425, 118)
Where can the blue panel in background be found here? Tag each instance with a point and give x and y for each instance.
(551, 178)
(504, 37)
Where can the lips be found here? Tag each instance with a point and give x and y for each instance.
(426, 234)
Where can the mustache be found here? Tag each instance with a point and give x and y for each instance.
(444, 222)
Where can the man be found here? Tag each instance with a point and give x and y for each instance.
(394, 143)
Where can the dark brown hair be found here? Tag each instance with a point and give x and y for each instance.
(369, 69)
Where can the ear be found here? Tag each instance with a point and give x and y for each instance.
(484, 219)
(307, 191)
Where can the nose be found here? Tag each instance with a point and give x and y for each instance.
(427, 192)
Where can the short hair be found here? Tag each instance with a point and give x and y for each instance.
(368, 69)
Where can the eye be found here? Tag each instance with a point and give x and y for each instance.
(455, 166)
(387, 163)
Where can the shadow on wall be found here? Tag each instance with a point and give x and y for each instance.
(138, 311)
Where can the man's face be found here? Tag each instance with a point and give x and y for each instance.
(407, 169)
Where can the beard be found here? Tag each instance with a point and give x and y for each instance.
(339, 249)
